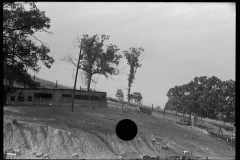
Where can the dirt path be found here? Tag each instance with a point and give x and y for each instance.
(90, 134)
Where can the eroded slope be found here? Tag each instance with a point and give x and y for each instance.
(90, 134)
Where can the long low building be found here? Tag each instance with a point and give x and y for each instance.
(56, 97)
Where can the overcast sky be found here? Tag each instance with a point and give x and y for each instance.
(181, 41)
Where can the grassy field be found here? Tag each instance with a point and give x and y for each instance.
(212, 126)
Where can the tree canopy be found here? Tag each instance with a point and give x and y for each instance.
(136, 97)
(120, 95)
(208, 97)
(96, 59)
(20, 52)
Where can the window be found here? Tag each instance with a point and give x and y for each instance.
(29, 98)
(12, 98)
(95, 98)
(43, 95)
(79, 97)
(102, 98)
(66, 95)
(20, 98)
(85, 97)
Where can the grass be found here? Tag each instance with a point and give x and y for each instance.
(212, 126)
(226, 127)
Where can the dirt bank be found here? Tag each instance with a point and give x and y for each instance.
(90, 134)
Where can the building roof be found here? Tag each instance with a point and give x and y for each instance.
(57, 89)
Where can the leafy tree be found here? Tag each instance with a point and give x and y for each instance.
(120, 95)
(20, 52)
(96, 60)
(132, 56)
(208, 97)
(211, 96)
(228, 100)
(169, 105)
(137, 97)
(175, 95)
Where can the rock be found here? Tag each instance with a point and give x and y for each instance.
(11, 156)
(45, 156)
(158, 143)
(74, 155)
(39, 154)
(153, 138)
(185, 152)
(56, 131)
(17, 151)
(146, 157)
(185, 135)
(164, 147)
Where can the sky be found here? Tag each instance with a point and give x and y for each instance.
(180, 40)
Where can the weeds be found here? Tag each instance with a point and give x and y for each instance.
(14, 121)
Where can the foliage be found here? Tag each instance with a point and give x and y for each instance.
(96, 60)
(136, 96)
(14, 121)
(20, 52)
(207, 97)
(132, 56)
(120, 95)
(112, 99)
(49, 84)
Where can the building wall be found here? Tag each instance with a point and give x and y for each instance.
(55, 97)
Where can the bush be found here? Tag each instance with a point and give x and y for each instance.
(14, 121)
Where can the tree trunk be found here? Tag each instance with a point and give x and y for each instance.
(129, 89)
(4, 96)
(164, 112)
(190, 118)
(184, 116)
(89, 82)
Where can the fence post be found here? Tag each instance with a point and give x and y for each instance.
(164, 113)
(219, 133)
(152, 107)
(89, 99)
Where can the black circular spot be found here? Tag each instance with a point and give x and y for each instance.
(126, 130)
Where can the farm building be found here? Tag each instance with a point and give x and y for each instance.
(56, 97)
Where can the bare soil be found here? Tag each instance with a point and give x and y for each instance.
(90, 134)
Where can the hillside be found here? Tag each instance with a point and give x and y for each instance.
(49, 84)
(90, 134)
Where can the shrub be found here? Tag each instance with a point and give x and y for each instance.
(14, 121)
